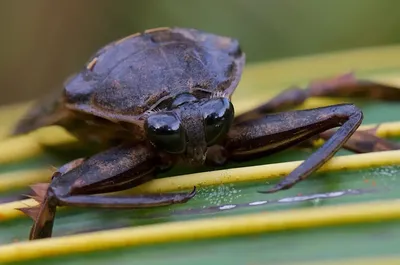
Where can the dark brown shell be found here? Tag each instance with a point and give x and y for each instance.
(137, 73)
(143, 72)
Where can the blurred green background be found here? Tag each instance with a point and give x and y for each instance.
(44, 41)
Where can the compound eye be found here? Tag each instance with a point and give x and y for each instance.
(218, 116)
(164, 130)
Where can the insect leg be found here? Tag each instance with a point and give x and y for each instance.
(342, 86)
(116, 169)
(276, 132)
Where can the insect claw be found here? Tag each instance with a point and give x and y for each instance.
(193, 193)
(184, 197)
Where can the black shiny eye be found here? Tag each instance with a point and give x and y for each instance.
(218, 116)
(165, 131)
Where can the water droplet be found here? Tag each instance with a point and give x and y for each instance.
(257, 203)
(227, 207)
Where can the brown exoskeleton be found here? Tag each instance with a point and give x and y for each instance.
(164, 96)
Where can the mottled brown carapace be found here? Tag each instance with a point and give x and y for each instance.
(161, 97)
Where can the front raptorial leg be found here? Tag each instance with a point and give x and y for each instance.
(116, 169)
(275, 132)
(342, 86)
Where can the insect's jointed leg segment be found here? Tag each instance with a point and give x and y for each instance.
(127, 202)
(341, 86)
(279, 131)
(115, 169)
